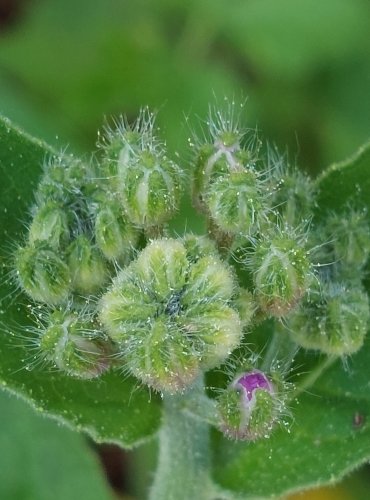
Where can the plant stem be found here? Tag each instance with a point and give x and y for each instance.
(183, 464)
(311, 378)
(280, 348)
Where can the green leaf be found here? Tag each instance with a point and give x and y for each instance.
(108, 409)
(346, 182)
(49, 457)
(325, 440)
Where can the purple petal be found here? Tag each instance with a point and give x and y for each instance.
(252, 381)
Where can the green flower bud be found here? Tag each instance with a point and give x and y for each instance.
(350, 238)
(64, 178)
(42, 274)
(121, 141)
(250, 406)
(114, 236)
(75, 345)
(50, 226)
(333, 320)
(171, 317)
(214, 161)
(87, 267)
(222, 153)
(150, 188)
(292, 194)
(198, 246)
(281, 273)
(234, 202)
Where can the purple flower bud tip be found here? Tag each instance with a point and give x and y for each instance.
(249, 382)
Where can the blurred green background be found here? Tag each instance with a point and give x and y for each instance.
(302, 65)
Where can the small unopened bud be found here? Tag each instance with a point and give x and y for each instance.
(75, 345)
(292, 194)
(221, 150)
(42, 274)
(214, 161)
(150, 188)
(250, 407)
(86, 264)
(333, 320)
(350, 238)
(50, 226)
(234, 202)
(281, 273)
(114, 236)
(198, 246)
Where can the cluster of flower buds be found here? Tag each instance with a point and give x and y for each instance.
(334, 316)
(100, 260)
(172, 316)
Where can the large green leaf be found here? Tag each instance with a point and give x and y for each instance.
(329, 433)
(40, 460)
(110, 408)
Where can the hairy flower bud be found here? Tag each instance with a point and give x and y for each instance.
(234, 202)
(64, 178)
(150, 187)
(171, 317)
(42, 274)
(50, 226)
(214, 161)
(75, 345)
(249, 407)
(350, 238)
(87, 267)
(198, 246)
(292, 194)
(281, 273)
(114, 236)
(333, 320)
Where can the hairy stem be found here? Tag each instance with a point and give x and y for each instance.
(183, 465)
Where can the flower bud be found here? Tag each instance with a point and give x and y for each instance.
(214, 161)
(87, 267)
(333, 320)
(150, 188)
(50, 226)
(42, 274)
(234, 202)
(292, 195)
(75, 345)
(114, 236)
(250, 407)
(281, 273)
(350, 238)
(64, 178)
(198, 246)
(171, 317)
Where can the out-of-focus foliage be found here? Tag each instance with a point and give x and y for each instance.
(303, 66)
(40, 460)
